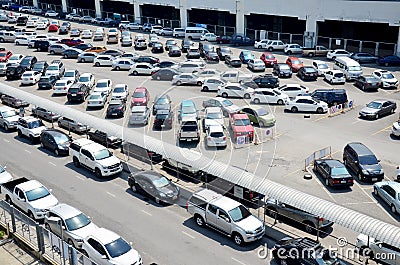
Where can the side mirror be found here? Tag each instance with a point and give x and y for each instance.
(227, 220)
(104, 257)
(379, 160)
(379, 245)
(21, 199)
(53, 219)
(50, 190)
(356, 161)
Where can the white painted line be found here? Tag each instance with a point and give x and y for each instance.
(5, 140)
(238, 261)
(112, 195)
(274, 109)
(355, 203)
(147, 213)
(79, 177)
(51, 163)
(29, 152)
(189, 235)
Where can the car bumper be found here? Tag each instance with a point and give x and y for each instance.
(110, 172)
(137, 122)
(251, 238)
(389, 85)
(372, 178)
(212, 143)
(367, 115)
(395, 132)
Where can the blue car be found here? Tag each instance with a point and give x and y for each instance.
(245, 56)
(187, 108)
(389, 60)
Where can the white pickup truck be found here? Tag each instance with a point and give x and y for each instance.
(30, 196)
(189, 129)
(30, 127)
(226, 216)
(95, 157)
(8, 118)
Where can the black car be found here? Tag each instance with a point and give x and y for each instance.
(83, 46)
(28, 62)
(14, 72)
(154, 185)
(116, 108)
(307, 73)
(47, 82)
(330, 96)
(147, 59)
(333, 172)
(161, 102)
(66, 24)
(367, 82)
(40, 66)
(41, 45)
(363, 162)
(78, 92)
(282, 70)
(163, 120)
(263, 81)
(71, 53)
(186, 44)
(223, 52)
(165, 74)
(157, 47)
(233, 61)
(205, 47)
(104, 138)
(165, 64)
(63, 30)
(296, 251)
(174, 51)
(212, 57)
(363, 57)
(56, 141)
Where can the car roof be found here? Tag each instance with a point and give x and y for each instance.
(360, 148)
(53, 132)
(333, 162)
(138, 108)
(225, 203)
(149, 174)
(30, 185)
(380, 100)
(216, 127)
(65, 211)
(395, 185)
(213, 109)
(104, 235)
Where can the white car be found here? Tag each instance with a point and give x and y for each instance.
(293, 90)
(4, 175)
(212, 84)
(261, 44)
(212, 116)
(16, 58)
(122, 64)
(388, 80)
(156, 29)
(120, 91)
(379, 250)
(186, 78)
(333, 54)
(208, 73)
(166, 32)
(215, 136)
(292, 48)
(31, 23)
(209, 37)
(98, 36)
(87, 34)
(51, 13)
(321, 67)
(256, 65)
(274, 45)
(235, 90)
(76, 225)
(103, 86)
(126, 41)
(103, 60)
(86, 79)
(97, 99)
(268, 96)
(41, 25)
(30, 77)
(62, 86)
(396, 132)
(335, 77)
(109, 249)
(307, 104)
(142, 69)
(21, 40)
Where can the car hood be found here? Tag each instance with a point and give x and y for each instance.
(12, 119)
(369, 110)
(109, 161)
(269, 117)
(84, 231)
(130, 257)
(5, 177)
(211, 122)
(169, 190)
(44, 203)
(377, 168)
(162, 106)
(37, 130)
(247, 128)
(232, 108)
(251, 223)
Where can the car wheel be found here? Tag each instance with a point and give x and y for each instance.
(224, 95)
(158, 77)
(52, 52)
(76, 162)
(19, 133)
(270, 49)
(32, 139)
(8, 200)
(309, 227)
(294, 109)
(84, 253)
(117, 68)
(256, 101)
(238, 239)
(199, 220)
(376, 116)
(199, 83)
(97, 64)
(47, 226)
(261, 124)
(363, 87)
(272, 213)
(133, 187)
(392, 111)
(247, 96)
(311, 54)
(65, 56)
(259, 47)
(320, 110)
(289, 52)
(157, 200)
(17, 43)
(6, 127)
(135, 73)
(69, 241)
(376, 191)
(359, 176)
(178, 83)
(97, 172)
(393, 209)
(280, 102)
(56, 152)
(82, 60)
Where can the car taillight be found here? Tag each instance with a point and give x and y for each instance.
(351, 180)
(336, 182)
(65, 88)
(187, 205)
(320, 219)
(224, 138)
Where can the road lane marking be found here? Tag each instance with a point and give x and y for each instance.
(51, 163)
(5, 140)
(112, 195)
(238, 261)
(147, 213)
(29, 152)
(79, 177)
(355, 203)
(384, 129)
(189, 235)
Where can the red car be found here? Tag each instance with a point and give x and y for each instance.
(53, 28)
(4, 55)
(140, 97)
(268, 58)
(243, 131)
(294, 63)
(71, 42)
(224, 39)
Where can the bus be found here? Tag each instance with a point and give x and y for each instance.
(192, 33)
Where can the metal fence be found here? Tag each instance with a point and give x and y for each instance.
(327, 151)
(49, 246)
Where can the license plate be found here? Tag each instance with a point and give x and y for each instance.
(115, 114)
(374, 179)
(343, 181)
(189, 140)
(74, 95)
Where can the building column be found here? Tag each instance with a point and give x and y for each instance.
(97, 6)
(183, 13)
(136, 11)
(64, 5)
(311, 31)
(240, 17)
(398, 44)
(35, 3)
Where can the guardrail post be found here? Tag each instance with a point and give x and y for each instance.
(40, 238)
(73, 260)
(12, 213)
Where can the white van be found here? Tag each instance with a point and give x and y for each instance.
(192, 33)
(178, 32)
(350, 68)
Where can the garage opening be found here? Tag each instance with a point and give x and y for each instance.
(219, 22)
(166, 16)
(124, 10)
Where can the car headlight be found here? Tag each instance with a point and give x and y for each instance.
(249, 232)
(163, 195)
(364, 171)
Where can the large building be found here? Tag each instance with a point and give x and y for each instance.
(353, 24)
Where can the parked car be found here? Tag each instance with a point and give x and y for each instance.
(14, 72)
(166, 74)
(78, 92)
(212, 84)
(47, 82)
(103, 60)
(378, 108)
(223, 52)
(256, 65)
(140, 97)
(72, 125)
(273, 45)
(103, 86)
(267, 95)
(246, 55)
(333, 173)
(228, 108)
(224, 39)
(174, 51)
(333, 54)
(330, 96)
(142, 69)
(120, 92)
(306, 104)
(116, 108)
(13, 102)
(55, 141)
(363, 57)
(282, 70)
(259, 115)
(71, 53)
(161, 102)
(30, 77)
(139, 115)
(293, 48)
(268, 59)
(233, 61)
(122, 64)
(307, 73)
(389, 192)
(367, 83)
(388, 80)
(208, 37)
(189, 79)
(97, 100)
(294, 63)
(293, 90)
(62, 86)
(87, 57)
(390, 60)
(261, 44)
(193, 53)
(187, 108)
(235, 90)
(335, 77)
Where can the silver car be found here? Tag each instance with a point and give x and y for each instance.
(139, 115)
(190, 79)
(71, 125)
(57, 48)
(87, 57)
(389, 192)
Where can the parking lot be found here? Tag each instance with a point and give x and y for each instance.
(280, 150)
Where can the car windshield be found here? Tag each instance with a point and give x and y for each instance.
(239, 213)
(368, 160)
(374, 105)
(387, 76)
(37, 194)
(162, 101)
(61, 138)
(53, 68)
(242, 122)
(102, 154)
(339, 171)
(84, 79)
(296, 62)
(8, 113)
(188, 109)
(354, 68)
(269, 56)
(226, 103)
(284, 67)
(2, 54)
(102, 84)
(119, 90)
(214, 115)
(97, 96)
(323, 66)
(34, 124)
(139, 94)
(262, 112)
(226, 50)
(61, 83)
(161, 182)
(69, 74)
(117, 247)
(339, 75)
(77, 222)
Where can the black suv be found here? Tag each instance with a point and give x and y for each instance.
(41, 45)
(330, 96)
(205, 47)
(47, 82)
(263, 81)
(303, 251)
(78, 92)
(186, 44)
(361, 160)
(282, 70)
(28, 62)
(14, 72)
